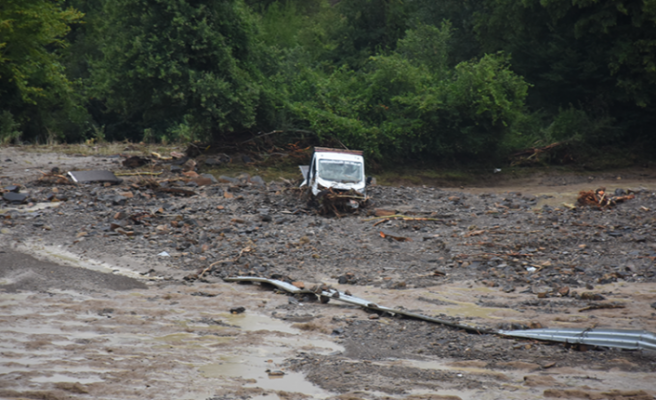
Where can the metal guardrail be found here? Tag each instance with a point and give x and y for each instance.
(617, 338)
(334, 294)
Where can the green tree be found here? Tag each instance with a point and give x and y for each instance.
(180, 68)
(596, 55)
(34, 89)
(408, 105)
(460, 16)
(369, 26)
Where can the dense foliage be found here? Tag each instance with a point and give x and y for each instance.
(404, 80)
(33, 82)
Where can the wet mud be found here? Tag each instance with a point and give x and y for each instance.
(122, 298)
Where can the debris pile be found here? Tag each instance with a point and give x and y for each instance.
(331, 202)
(600, 199)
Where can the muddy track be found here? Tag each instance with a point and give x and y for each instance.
(511, 257)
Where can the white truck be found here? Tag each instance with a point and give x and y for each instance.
(336, 177)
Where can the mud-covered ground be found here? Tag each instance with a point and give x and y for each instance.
(125, 298)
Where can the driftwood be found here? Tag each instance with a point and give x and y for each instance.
(599, 198)
(531, 155)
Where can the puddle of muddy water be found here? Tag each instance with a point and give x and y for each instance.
(256, 322)
(254, 369)
(558, 195)
(77, 345)
(252, 363)
(468, 309)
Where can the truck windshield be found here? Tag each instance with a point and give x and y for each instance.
(340, 171)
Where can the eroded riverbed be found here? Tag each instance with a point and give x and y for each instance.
(146, 314)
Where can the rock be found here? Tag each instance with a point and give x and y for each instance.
(180, 161)
(338, 331)
(212, 161)
(592, 296)
(124, 232)
(119, 200)
(257, 180)
(244, 178)
(210, 177)
(15, 198)
(12, 188)
(189, 165)
(135, 162)
(227, 179)
(176, 169)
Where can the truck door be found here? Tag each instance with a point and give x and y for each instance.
(312, 172)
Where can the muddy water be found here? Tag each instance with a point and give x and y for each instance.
(555, 194)
(180, 341)
(163, 342)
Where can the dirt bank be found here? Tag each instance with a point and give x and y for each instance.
(505, 256)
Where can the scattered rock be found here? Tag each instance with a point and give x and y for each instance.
(14, 198)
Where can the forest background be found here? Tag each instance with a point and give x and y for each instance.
(449, 81)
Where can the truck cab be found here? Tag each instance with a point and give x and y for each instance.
(336, 170)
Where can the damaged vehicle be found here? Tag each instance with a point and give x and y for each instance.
(335, 179)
